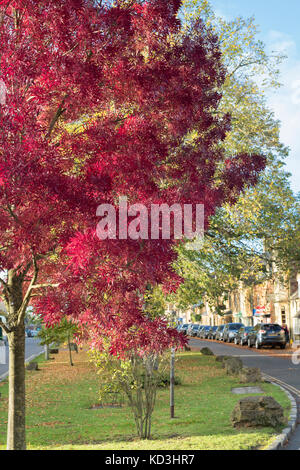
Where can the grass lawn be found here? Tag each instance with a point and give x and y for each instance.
(59, 414)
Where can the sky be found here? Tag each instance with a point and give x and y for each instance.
(279, 24)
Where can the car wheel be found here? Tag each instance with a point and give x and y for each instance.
(282, 346)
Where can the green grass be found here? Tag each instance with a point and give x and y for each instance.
(59, 414)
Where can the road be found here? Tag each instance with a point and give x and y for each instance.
(32, 347)
(279, 366)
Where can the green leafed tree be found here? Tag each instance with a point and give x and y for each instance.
(60, 333)
(261, 231)
(251, 73)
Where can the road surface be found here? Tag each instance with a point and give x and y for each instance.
(32, 347)
(277, 365)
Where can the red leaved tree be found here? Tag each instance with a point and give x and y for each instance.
(101, 101)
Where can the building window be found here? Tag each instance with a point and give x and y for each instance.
(283, 317)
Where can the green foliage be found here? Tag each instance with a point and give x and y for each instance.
(247, 243)
(250, 72)
(154, 302)
(260, 234)
(135, 377)
(196, 318)
(61, 333)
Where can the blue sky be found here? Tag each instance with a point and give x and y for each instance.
(279, 23)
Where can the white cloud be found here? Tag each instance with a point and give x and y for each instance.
(296, 94)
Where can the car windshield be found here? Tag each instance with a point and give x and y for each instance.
(270, 328)
(237, 326)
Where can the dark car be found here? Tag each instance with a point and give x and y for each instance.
(270, 334)
(194, 330)
(212, 332)
(28, 332)
(242, 335)
(230, 331)
(204, 332)
(219, 333)
(183, 328)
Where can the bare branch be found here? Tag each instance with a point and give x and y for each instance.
(4, 327)
(56, 117)
(27, 296)
(42, 286)
(4, 284)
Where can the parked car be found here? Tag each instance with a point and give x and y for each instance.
(242, 335)
(34, 333)
(3, 337)
(270, 334)
(212, 332)
(230, 331)
(28, 332)
(219, 333)
(183, 328)
(194, 330)
(189, 329)
(204, 332)
(199, 331)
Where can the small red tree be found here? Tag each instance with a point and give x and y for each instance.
(100, 102)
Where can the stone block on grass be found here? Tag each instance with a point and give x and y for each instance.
(233, 365)
(206, 352)
(32, 366)
(222, 360)
(258, 412)
(250, 375)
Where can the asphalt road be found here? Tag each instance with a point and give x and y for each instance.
(277, 365)
(32, 347)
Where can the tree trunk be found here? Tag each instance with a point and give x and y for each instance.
(70, 352)
(47, 355)
(16, 407)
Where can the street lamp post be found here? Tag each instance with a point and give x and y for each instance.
(172, 384)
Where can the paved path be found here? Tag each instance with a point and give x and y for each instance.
(279, 366)
(32, 347)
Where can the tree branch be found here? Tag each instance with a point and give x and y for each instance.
(42, 286)
(4, 327)
(56, 117)
(27, 296)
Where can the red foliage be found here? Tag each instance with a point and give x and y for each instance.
(113, 73)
